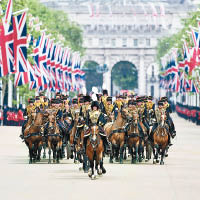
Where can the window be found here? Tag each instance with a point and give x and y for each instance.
(90, 41)
(124, 42)
(148, 42)
(113, 42)
(135, 42)
(101, 42)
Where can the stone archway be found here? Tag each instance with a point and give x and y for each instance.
(124, 75)
(91, 76)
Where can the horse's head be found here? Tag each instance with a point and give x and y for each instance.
(94, 131)
(135, 118)
(163, 117)
(126, 115)
(81, 121)
(33, 115)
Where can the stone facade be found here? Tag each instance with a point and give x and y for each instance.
(126, 35)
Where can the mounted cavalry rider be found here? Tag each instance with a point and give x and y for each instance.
(158, 111)
(132, 108)
(26, 114)
(117, 105)
(103, 99)
(150, 106)
(108, 109)
(142, 111)
(86, 106)
(169, 119)
(96, 117)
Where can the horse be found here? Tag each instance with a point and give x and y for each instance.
(135, 139)
(94, 151)
(54, 138)
(76, 139)
(33, 135)
(116, 134)
(160, 138)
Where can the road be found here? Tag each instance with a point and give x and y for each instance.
(178, 179)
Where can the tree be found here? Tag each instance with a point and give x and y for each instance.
(55, 22)
(91, 75)
(124, 75)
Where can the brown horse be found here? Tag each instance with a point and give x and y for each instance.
(33, 135)
(135, 139)
(116, 134)
(160, 137)
(94, 151)
(54, 137)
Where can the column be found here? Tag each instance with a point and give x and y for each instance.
(141, 75)
(107, 75)
(10, 92)
(107, 81)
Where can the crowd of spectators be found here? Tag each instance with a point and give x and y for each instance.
(11, 116)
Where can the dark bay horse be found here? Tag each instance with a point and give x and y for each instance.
(160, 138)
(135, 139)
(116, 134)
(54, 137)
(94, 151)
(33, 135)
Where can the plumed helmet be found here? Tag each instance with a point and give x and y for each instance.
(75, 101)
(87, 98)
(95, 104)
(109, 99)
(105, 92)
(150, 98)
(81, 100)
(160, 103)
(164, 98)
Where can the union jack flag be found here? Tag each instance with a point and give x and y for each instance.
(20, 42)
(6, 43)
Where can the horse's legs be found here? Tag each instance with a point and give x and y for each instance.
(132, 155)
(91, 172)
(112, 154)
(31, 146)
(140, 151)
(136, 152)
(121, 153)
(162, 156)
(44, 148)
(39, 150)
(154, 155)
(85, 163)
(49, 147)
(54, 153)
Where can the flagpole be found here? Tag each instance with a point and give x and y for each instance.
(17, 12)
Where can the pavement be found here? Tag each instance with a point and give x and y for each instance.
(178, 179)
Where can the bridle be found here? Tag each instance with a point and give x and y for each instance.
(94, 139)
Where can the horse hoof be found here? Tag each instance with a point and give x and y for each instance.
(162, 163)
(116, 159)
(58, 161)
(154, 162)
(146, 160)
(157, 161)
(140, 160)
(125, 157)
(44, 156)
(93, 177)
(54, 161)
(166, 155)
(103, 170)
(99, 172)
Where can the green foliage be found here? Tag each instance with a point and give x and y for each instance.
(124, 75)
(54, 22)
(175, 41)
(91, 76)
